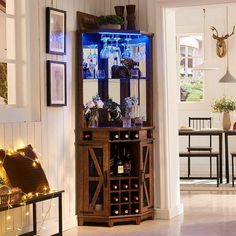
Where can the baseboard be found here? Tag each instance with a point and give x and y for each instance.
(168, 213)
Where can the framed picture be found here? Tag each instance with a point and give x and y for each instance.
(55, 31)
(56, 83)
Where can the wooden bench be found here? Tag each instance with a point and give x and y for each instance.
(33, 201)
(200, 155)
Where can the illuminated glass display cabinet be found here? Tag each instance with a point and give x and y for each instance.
(114, 164)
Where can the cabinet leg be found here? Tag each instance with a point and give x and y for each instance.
(80, 221)
(110, 223)
(138, 221)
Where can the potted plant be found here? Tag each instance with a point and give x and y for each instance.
(224, 105)
(110, 22)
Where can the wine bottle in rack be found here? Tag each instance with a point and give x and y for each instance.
(135, 210)
(125, 135)
(119, 164)
(114, 187)
(125, 186)
(135, 198)
(115, 199)
(127, 163)
(134, 185)
(125, 210)
(115, 212)
(125, 199)
(115, 136)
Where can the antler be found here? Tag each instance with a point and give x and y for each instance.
(215, 36)
(228, 35)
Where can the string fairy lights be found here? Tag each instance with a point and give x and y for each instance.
(24, 196)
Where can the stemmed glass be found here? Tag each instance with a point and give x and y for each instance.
(105, 52)
(92, 59)
(127, 54)
(139, 54)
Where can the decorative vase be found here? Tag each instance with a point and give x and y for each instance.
(226, 121)
(130, 17)
(120, 12)
(93, 119)
(126, 120)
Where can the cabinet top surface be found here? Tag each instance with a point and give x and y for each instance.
(118, 128)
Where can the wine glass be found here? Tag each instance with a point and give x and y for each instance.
(105, 52)
(127, 54)
(92, 59)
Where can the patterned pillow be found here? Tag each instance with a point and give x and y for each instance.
(25, 171)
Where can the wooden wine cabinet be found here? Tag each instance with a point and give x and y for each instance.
(101, 195)
(109, 198)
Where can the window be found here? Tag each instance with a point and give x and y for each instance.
(16, 103)
(189, 52)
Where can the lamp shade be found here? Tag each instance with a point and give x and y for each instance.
(227, 78)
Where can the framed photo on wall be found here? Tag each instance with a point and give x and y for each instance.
(56, 83)
(55, 31)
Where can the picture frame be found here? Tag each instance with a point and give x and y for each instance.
(55, 31)
(56, 83)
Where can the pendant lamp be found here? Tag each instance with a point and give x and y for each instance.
(227, 78)
(205, 66)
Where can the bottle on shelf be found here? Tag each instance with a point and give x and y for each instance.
(125, 210)
(119, 164)
(135, 210)
(115, 212)
(125, 199)
(134, 185)
(114, 187)
(135, 135)
(124, 186)
(127, 162)
(135, 198)
(115, 199)
(112, 161)
(125, 135)
(115, 136)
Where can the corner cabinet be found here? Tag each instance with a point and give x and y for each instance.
(114, 165)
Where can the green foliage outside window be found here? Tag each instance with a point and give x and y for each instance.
(3, 81)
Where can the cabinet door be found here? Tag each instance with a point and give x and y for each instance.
(95, 179)
(146, 167)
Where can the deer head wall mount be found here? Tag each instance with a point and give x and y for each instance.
(221, 45)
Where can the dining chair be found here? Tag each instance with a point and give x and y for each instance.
(199, 123)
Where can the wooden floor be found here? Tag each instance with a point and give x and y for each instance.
(206, 214)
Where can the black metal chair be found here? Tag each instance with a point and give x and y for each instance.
(199, 123)
(233, 155)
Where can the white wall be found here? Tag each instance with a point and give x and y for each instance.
(53, 136)
(190, 20)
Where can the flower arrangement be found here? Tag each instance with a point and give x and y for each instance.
(113, 109)
(224, 104)
(127, 105)
(91, 110)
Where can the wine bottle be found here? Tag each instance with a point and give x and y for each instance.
(115, 212)
(112, 160)
(115, 199)
(119, 164)
(125, 199)
(135, 185)
(127, 163)
(135, 210)
(125, 211)
(125, 186)
(114, 186)
(135, 198)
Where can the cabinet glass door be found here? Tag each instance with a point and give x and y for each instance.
(147, 176)
(95, 170)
